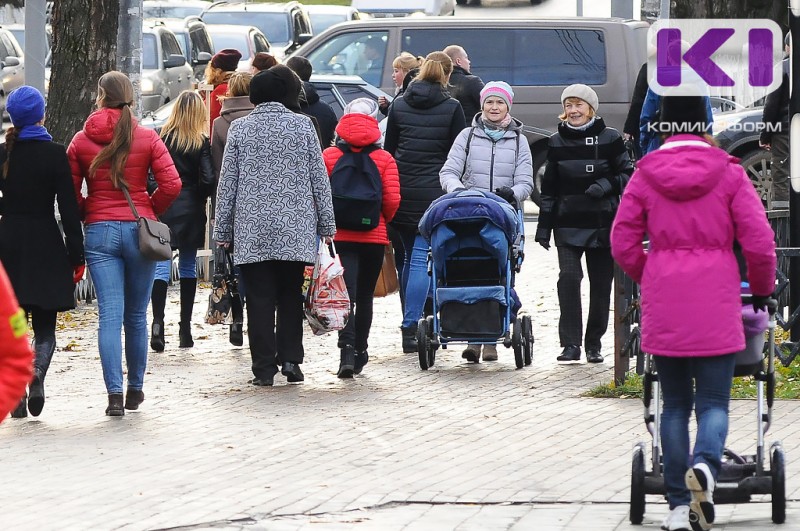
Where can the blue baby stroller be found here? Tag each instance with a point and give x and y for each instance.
(476, 245)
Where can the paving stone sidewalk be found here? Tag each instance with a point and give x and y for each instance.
(457, 447)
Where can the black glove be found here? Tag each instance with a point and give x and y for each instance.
(544, 243)
(760, 302)
(508, 194)
(595, 191)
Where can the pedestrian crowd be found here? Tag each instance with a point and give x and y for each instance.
(277, 165)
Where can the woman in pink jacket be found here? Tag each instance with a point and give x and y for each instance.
(692, 200)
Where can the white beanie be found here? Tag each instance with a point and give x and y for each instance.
(362, 106)
(582, 92)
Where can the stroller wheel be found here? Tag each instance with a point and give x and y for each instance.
(637, 485)
(527, 339)
(778, 471)
(516, 342)
(423, 344)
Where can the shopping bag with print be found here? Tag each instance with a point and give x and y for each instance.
(327, 305)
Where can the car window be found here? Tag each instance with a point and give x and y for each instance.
(563, 56)
(361, 53)
(201, 42)
(274, 25)
(261, 43)
(183, 42)
(149, 51)
(322, 21)
(237, 41)
(171, 12)
(170, 45)
(326, 95)
(19, 34)
(9, 45)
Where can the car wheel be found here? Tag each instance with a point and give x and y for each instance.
(757, 165)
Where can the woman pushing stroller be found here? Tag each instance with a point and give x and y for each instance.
(491, 155)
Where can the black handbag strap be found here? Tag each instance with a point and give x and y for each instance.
(130, 201)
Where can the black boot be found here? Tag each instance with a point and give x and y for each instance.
(362, 358)
(43, 349)
(409, 339)
(188, 289)
(158, 299)
(347, 361)
(21, 411)
(236, 336)
(115, 405)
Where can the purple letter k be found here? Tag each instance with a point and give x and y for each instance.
(698, 57)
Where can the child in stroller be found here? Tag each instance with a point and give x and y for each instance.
(476, 245)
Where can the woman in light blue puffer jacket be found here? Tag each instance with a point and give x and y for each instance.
(493, 156)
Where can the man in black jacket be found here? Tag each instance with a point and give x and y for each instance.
(775, 136)
(464, 86)
(311, 104)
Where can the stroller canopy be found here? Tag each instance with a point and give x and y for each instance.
(471, 204)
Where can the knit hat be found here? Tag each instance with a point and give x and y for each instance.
(683, 114)
(362, 106)
(263, 60)
(227, 59)
(278, 84)
(500, 89)
(582, 92)
(25, 105)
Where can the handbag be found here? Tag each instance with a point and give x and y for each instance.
(387, 280)
(154, 236)
(224, 302)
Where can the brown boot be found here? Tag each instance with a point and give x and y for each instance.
(115, 407)
(133, 398)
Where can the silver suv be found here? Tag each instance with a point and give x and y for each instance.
(165, 73)
(195, 42)
(12, 62)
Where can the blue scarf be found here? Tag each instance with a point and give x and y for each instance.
(34, 132)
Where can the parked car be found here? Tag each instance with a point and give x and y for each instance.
(286, 25)
(603, 53)
(173, 8)
(738, 132)
(12, 61)
(165, 73)
(402, 8)
(195, 42)
(247, 39)
(323, 17)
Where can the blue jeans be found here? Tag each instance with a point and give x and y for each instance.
(416, 280)
(187, 265)
(710, 397)
(123, 279)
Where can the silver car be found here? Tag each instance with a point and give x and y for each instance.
(165, 73)
(13, 65)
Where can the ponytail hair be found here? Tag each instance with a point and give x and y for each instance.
(11, 137)
(436, 68)
(115, 91)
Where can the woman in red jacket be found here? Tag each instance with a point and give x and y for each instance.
(361, 251)
(114, 152)
(15, 354)
(218, 72)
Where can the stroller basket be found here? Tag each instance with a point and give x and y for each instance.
(472, 312)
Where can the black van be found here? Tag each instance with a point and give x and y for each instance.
(537, 57)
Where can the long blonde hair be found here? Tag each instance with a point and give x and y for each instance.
(186, 126)
(436, 68)
(115, 91)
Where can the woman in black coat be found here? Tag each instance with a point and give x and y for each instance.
(185, 136)
(420, 130)
(42, 265)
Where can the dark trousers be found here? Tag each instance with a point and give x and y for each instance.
(362, 264)
(600, 268)
(44, 333)
(274, 285)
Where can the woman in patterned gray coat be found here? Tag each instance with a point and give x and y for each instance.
(273, 201)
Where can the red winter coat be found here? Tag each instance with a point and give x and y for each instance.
(692, 200)
(16, 357)
(214, 103)
(360, 130)
(105, 202)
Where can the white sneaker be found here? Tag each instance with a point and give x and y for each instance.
(490, 353)
(701, 509)
(677, 519)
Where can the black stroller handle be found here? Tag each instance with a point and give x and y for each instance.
(772, 304)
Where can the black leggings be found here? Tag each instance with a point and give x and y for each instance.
(42, 321)
(362, 264)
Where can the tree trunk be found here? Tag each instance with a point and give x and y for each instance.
(84, 48)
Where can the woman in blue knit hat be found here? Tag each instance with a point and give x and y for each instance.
(43, 267)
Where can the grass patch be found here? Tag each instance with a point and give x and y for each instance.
(787, 383)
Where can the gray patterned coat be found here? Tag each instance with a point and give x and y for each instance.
(274, 195)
